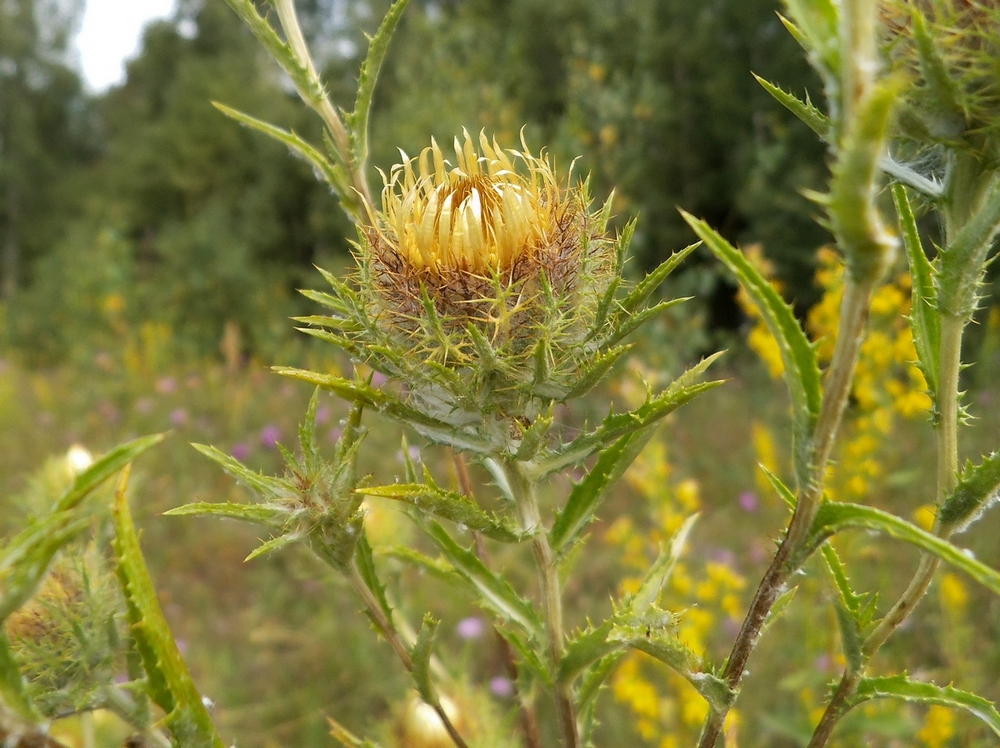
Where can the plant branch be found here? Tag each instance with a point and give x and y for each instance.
(854, 316)
(549, 587)
(529, 722)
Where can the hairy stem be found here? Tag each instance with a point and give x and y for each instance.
(529, 723)
(549, 587)
(854, 315)
(947, 469)
(318, 99)
(388, 630)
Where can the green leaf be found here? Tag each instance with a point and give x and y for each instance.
(257, 514)
(421, 655)
(365, 561)
(852, 614)
(272, 545)
(377, 48)
(104, 467)
(616, 425)
(449, 505)
(833, 517)
(902, 687)
(783, 491)
(334, 176)
(435, 566)
(607, 300)
(671, 651)
(346, 737)
(818, 122)
(593, 679)
(797, 353)
(924, 318)
(595, 370)
(266, 486)
(533, 437)
(658, 574)
(588, 494)
(978, 487)
(360, 392)
(816, 26)
(645, 288)
(939, 82)
(169, 682)
(585, 649)
(494, 593)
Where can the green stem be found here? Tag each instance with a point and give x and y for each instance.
(947, 448)
(854, 316)
(549, 587)
(318, 99)
(388, 630)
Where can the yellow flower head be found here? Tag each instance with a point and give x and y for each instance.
(480, 215)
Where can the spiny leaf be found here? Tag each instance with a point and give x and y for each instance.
(978, 487)
(494, 592)
(671, 651)
(816, 27)
(902, 687)
(818, 122)
(867, 244)
(346, 737)
(616, 425)
(849, 608)
(170, 684)
(833, 517)
(268, 487)
(939, 81)
(448, 505)
(272, 545)
(365, 561)
(333, 176)
(607, 300)
(585, 649)
(258, 514)
(438, 567)
(797, 353)
(645, 288)
(377, 48)
(924, 318)
(422, 651)
(658, 574)
(588, 494)
(595, 370)
(534, 436)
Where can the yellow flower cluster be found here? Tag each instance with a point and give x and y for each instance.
(668, 711)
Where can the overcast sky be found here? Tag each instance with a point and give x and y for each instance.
(110, 34)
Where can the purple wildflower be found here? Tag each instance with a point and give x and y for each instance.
(748, 501)
(470, 628)
(501, 687)
(178, 417)
(323, 414)
(270, 435)
(166, 385)
(240, 451)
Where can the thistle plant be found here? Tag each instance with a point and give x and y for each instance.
(487, 292)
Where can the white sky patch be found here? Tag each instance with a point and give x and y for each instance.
(110, 34)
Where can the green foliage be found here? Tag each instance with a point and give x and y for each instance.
(904, 688)
(169, 682)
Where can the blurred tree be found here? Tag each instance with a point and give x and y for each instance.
(657, 95)
(42, 131)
